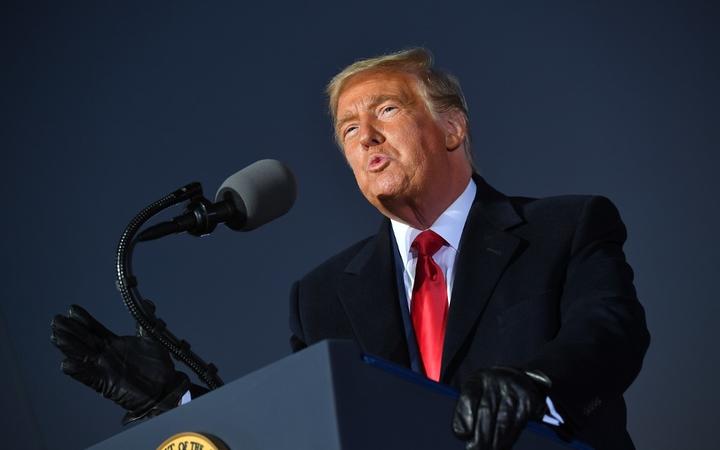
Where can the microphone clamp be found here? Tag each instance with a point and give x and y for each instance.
(200, 218)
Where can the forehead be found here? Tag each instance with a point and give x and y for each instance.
(364, 88)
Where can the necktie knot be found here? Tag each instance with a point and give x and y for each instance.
(427, 243)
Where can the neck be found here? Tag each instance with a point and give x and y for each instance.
(420, 212)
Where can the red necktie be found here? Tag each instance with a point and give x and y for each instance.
(429, 304)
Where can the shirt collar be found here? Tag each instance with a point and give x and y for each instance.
(449, 225)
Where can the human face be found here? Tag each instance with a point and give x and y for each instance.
(397, 149)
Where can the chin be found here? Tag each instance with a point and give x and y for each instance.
(388, 198)
(389, 184)
(387, 191)
(385, 187)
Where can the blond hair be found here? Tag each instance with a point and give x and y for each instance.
(441, 90)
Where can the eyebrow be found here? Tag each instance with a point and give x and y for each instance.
(375, 100)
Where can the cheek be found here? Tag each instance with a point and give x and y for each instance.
(355, 162)
(352, 159)
(414, 148)
(414, 140)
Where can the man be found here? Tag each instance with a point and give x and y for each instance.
(526, 305)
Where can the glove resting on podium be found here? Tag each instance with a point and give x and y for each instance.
(496, 404)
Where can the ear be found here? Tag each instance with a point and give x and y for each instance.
(455, 127)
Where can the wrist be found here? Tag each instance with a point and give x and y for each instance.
(166, 402)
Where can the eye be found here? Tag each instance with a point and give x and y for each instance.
(347, 131)
(387, 110)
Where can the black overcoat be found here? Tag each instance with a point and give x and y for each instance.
(539, 284)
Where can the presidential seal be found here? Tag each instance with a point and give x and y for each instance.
(192, 441)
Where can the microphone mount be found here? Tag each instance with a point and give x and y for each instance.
(201, 216)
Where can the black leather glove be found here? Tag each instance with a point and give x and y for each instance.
(496, 404)
(135, 372)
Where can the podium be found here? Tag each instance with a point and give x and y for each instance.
(327, 397)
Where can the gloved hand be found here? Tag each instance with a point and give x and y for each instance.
(496, 404)
(135, 372)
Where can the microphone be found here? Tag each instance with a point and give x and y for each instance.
(248, 199)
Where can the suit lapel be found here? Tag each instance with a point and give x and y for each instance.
(485, 251)
(369, 295)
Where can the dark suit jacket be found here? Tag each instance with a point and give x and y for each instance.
(539, 284)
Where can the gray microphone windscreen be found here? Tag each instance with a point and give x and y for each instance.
(266, 189)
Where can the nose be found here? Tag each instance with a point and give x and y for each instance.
(370, 136)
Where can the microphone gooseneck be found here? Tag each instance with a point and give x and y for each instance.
(248, 199)
(127, 284)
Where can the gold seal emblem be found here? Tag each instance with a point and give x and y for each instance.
(192, 441)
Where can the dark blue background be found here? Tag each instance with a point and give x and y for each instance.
(107, 106)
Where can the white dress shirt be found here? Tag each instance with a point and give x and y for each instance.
(449, 226)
